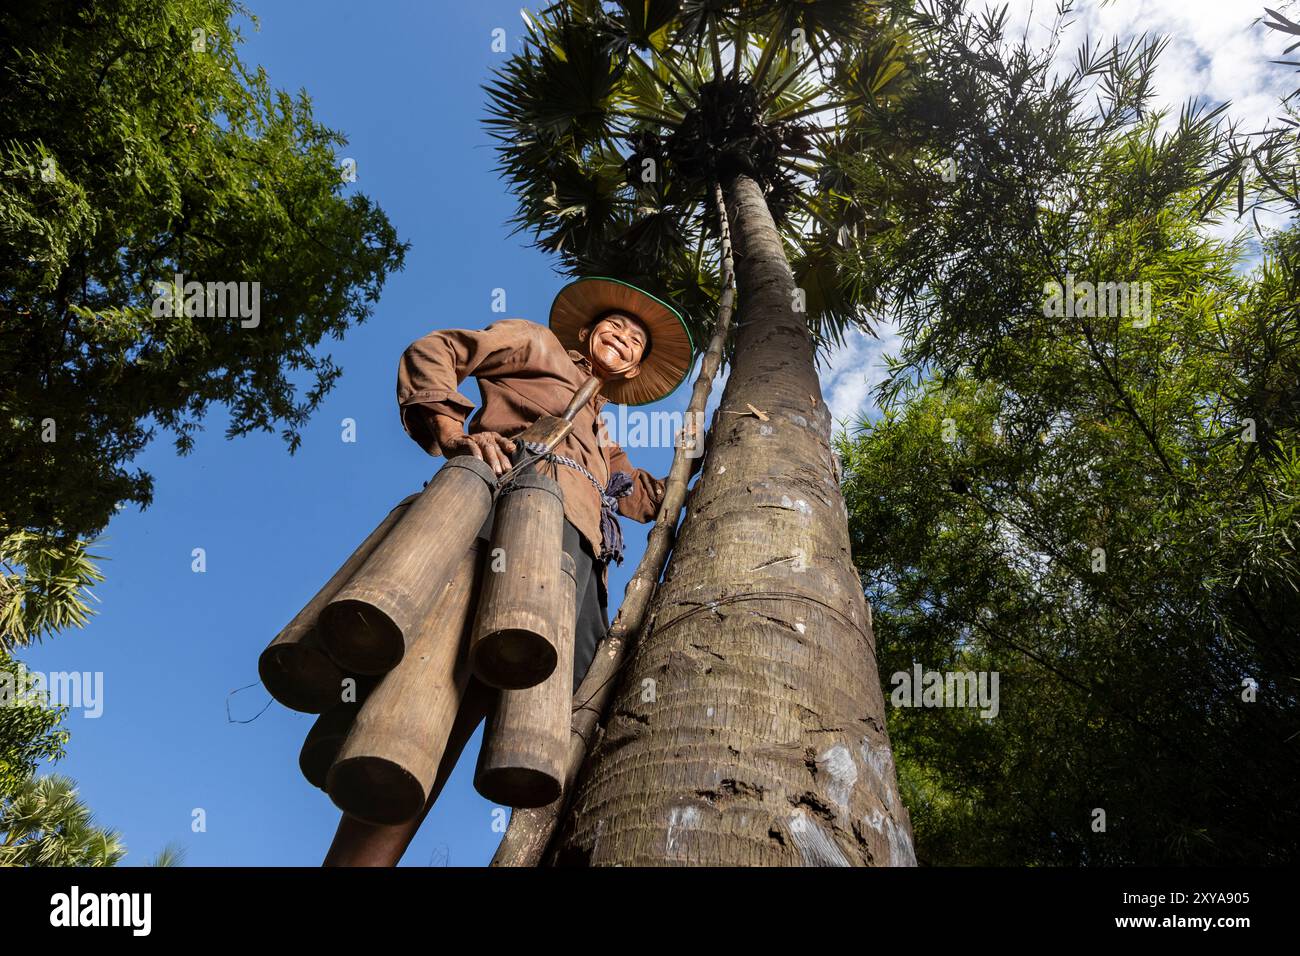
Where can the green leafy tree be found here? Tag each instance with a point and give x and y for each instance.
(1099, 504)
(135, 146)
(752, 695)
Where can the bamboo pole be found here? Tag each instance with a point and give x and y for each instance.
(294, 667)
(515, 635)
(526, 744)
(328, 733)
(357, 843)
(368, 625)
(530, 830)
(387, 764)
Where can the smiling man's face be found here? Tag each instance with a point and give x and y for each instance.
(615, 346)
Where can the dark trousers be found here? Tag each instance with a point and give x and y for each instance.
(592, 618)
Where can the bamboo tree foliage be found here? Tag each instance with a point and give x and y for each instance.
(748, 727)
(135, 145)
(1101, 509)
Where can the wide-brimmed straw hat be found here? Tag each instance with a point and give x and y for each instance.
(669, 354)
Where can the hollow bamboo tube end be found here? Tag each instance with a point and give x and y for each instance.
(518, 787)
(513, 659)
(295, 667)
(515, 632)
(375, 790)
(385, 768)
(526, 744)
(361, 636)
(300, 675)
(371, 621)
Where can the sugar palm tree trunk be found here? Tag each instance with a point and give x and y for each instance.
(749, 725)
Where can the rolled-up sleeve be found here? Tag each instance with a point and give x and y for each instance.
(642, 504)
(432, 367)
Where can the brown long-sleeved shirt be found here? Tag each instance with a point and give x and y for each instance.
(523, 372)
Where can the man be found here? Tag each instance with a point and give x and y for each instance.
(640, 350)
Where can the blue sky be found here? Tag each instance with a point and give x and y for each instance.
(401, 80)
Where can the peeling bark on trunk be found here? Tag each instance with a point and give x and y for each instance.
(749, 726)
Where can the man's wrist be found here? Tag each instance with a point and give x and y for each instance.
(446, 428)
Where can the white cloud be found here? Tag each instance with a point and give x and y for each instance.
(854, 370)
(1216, 50)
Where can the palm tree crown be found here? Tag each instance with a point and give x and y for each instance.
(45, 823)
(614, 119)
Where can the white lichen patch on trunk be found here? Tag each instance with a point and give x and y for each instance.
(900, 847)
(680, 818)
(842, 773)
(815, 846)
(881, 762)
